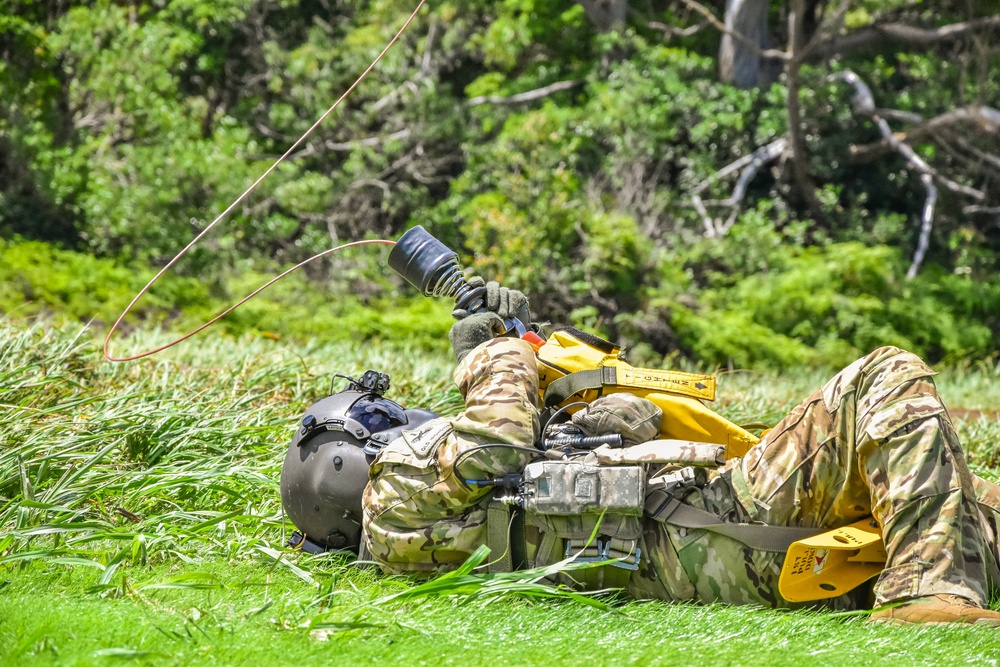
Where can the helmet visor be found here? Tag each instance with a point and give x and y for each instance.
(377, 414)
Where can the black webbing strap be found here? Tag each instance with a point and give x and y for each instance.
(505, 537)
(561, 389)
(664, 508)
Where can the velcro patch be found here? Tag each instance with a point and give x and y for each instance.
(425, 439)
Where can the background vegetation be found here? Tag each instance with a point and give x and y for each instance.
(575, 158)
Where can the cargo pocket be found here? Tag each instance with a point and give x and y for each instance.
(414, 521)
(902, 415)
(404, 475)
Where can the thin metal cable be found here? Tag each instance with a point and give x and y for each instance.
(142, 292)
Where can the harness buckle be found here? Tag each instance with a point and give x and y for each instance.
(604, 553)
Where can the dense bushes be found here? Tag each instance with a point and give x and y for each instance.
(125, 128)
(812, 306)
(829, 305)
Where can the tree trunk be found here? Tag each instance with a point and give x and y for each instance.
(796, 135)
(739, 62)
(605, 14)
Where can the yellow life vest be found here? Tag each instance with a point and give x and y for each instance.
(577, 366)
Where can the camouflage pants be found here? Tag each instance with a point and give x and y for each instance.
(876, 440)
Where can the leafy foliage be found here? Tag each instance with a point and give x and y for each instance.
(37, 279)
(126, 127)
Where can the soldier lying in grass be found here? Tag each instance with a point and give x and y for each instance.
(874, 441)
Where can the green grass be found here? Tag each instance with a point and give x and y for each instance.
(252, 614)
(42, 279)
(140, 523)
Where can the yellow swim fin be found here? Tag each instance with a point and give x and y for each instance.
(832, 563)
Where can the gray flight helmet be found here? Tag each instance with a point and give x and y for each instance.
(325, 471)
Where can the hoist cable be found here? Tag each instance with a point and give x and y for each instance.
(142, 292)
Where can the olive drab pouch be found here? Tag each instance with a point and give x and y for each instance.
(587, 513)
(577, 366)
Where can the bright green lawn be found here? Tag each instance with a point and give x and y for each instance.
(49, 618)
(140, 523)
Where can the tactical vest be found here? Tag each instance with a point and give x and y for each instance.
(592, 510)
(574, 366)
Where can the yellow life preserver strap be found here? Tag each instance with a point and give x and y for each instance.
(622, 375)
(576, 366)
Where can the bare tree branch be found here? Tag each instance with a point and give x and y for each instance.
(900, 115)
(422, 74)
(671, 31)
(926, 222)
(425, 63)
(966, 155)
(985, 118)
(312, 149)
(879, 34)
(828, 29)
(988, 163)
(706, 219)
(753, 163)
(797, 141)
(728, 169)
(864, 92)
(864, 103)
(372, 183)
(760, 157)
(528, 96)
(974, 208)
(990, 159)
(756, 160)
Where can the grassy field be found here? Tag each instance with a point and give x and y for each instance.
(140, 522)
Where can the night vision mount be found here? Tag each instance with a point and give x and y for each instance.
(372, 382)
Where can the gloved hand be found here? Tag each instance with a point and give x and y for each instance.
(637, 419)
(505, 302)
(472, 331)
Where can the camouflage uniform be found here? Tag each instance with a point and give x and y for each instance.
(418, 516)
(875, 440)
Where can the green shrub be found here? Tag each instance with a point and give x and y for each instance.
(39, 278)
(828, 305)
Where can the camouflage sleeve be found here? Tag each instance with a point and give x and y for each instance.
(419, 517)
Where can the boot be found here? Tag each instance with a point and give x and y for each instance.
(937, 610)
